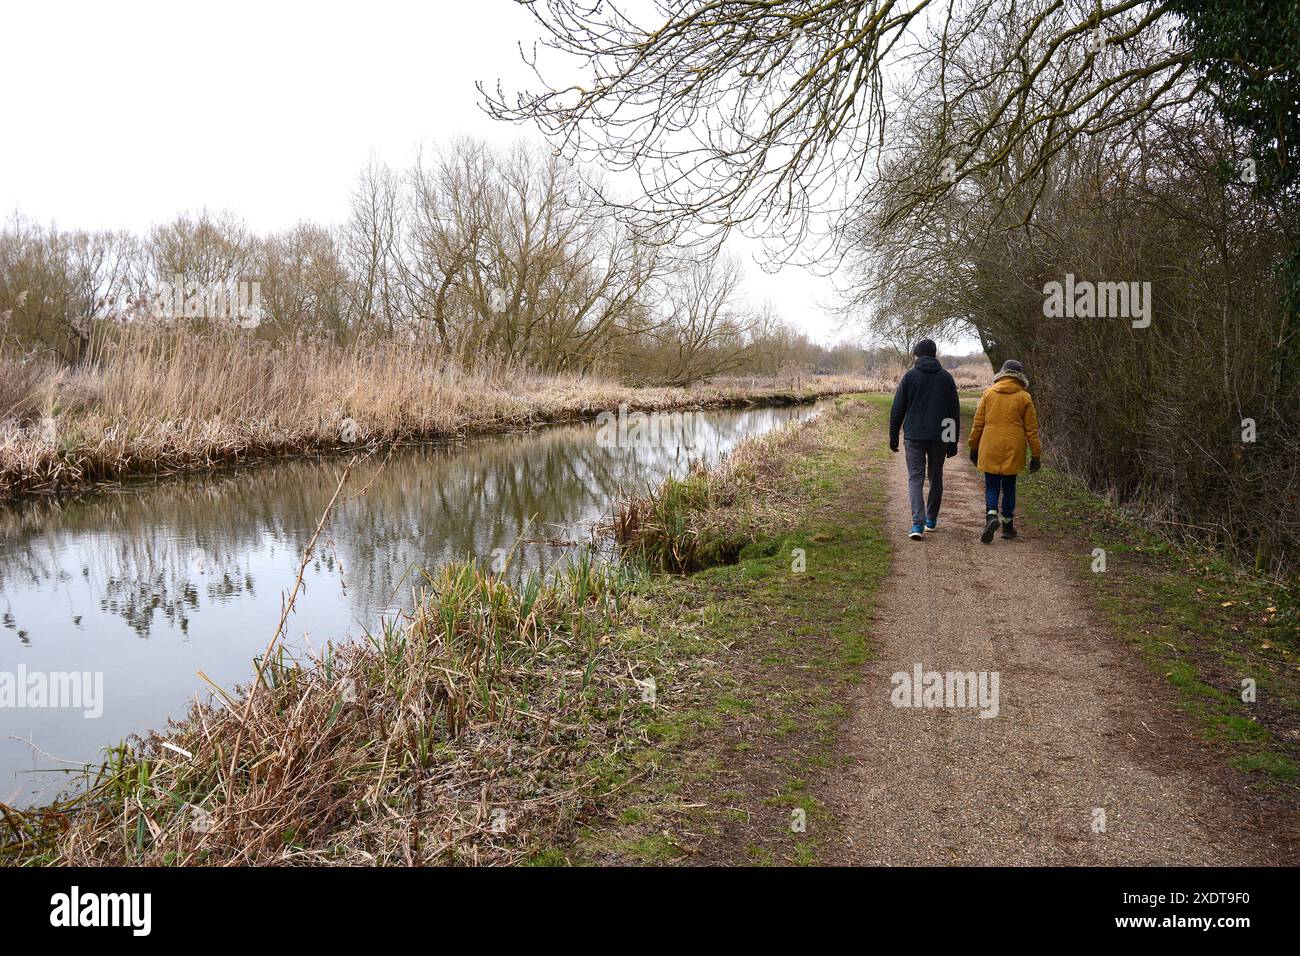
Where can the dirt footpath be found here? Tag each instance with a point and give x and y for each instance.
(1083, 727)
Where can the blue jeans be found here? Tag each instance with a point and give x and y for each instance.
(1006, 484)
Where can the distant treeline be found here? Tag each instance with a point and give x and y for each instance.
(510, 255)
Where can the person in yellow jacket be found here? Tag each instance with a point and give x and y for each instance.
(1004, 422)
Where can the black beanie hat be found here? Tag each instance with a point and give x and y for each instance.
(1011, 365)
(925, 347)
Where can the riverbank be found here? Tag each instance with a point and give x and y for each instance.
(489, 727)
(164, 407)
(747, 753)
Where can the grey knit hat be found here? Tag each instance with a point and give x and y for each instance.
(1012, 369)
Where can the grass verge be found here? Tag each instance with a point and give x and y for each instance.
(747, 738)
(1202, 623)
(1205, 625)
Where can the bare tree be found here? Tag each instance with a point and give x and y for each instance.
(706, 327)
(514, 255)
(54, 285)
(207, 249)
(775, 115)
(305, 283)
(370, 249)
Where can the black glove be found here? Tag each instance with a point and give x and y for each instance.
(974, 456)
(1035, 464)
(952, 449)
(893, 446)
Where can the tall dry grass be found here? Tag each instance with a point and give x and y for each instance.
(163, 401)
(968, 376)
(973, 376)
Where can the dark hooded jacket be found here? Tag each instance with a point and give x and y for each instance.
(926, 397)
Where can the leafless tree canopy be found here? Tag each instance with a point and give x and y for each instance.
(783, 116)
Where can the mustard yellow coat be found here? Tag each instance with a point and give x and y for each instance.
(1004, 421)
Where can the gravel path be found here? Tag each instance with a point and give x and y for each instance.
(1082, 724)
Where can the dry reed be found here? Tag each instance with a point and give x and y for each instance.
(163, 402)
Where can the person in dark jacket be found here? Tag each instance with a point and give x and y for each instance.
(926, 410)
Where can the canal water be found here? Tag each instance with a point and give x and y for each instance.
(133, 592)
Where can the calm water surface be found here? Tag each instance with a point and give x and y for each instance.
(150, 585)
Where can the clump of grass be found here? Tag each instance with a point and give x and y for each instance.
(26, 383)
(464, 732)
(709, 516)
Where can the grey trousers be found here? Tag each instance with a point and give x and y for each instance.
(924, 459)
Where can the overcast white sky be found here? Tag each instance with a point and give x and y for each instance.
(122, 114)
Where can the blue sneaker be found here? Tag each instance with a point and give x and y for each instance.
(916, 532)
(930, 523)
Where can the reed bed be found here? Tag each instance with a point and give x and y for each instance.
(474, 730)
(158, 403)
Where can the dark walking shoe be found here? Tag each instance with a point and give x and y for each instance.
(1008, 529)
(931, 523)
(990, 527)
(916, 532)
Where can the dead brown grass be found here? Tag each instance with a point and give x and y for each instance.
(159, 403)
